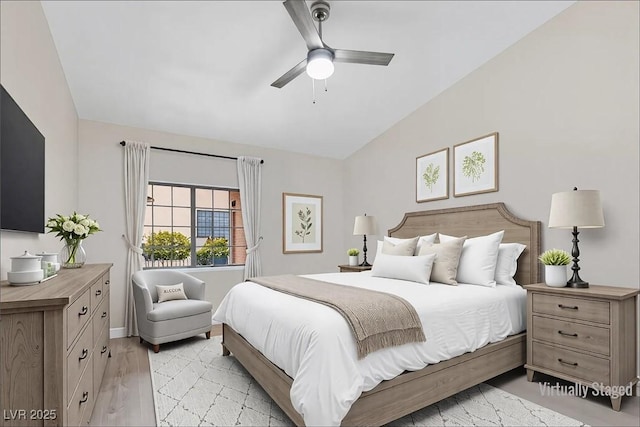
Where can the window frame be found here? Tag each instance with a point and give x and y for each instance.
(194, 224)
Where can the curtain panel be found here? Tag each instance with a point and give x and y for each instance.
(250, 182)
(136, 179)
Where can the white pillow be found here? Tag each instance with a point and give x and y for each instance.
(423, 240)
(478, 259)
(170, 292)
(411, 268)
(508, 254)
(403, 248)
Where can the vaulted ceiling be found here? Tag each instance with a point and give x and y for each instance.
(204, 68)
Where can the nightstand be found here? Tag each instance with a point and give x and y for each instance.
(584, 335)
(344, 268)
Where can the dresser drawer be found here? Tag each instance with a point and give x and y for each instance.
(106, 281)
(78, 314)
(572, 308)
(100, 356)
(96, 294)
(587, 368)
(82, 400)
(100, 318)
(571, 334)
(78, 359)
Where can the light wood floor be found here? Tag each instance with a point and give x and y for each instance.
(126, 397)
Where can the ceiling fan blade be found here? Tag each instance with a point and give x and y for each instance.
(302, 18)
(362, 57)
(291, 74)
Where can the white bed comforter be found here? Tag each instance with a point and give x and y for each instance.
(313, 344)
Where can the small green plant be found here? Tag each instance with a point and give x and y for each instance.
(353, 252)
(555, 257)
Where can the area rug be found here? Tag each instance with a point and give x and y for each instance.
(194, 385)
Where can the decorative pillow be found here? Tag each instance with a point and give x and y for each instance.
(404, 248)
(411, 268)
(445, 265)
(170, 292)
(508, 254)
(422, 240)
(478, 259)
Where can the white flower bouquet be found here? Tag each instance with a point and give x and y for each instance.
(72, 229)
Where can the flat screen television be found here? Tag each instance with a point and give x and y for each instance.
(21, 169)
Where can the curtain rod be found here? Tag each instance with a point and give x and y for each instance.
(123, 143)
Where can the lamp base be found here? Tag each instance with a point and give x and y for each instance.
(578, 284)
(365, 264)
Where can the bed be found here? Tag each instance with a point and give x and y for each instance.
(412, 390)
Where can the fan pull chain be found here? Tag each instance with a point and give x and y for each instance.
(313, 90)
(325, 85)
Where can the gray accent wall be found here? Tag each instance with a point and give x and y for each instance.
(565, 101)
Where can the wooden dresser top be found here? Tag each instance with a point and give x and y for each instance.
(61, 290)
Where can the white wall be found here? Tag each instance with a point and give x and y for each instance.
(565, 102)
(31, 72)
(101, 183)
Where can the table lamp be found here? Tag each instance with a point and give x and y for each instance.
(576, 209)
(365, 225)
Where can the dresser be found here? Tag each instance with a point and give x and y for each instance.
(586, 336)
(54, 347)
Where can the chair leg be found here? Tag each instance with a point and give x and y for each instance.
(207, 334)
(156, 348)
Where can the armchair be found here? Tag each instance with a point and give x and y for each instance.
(174, 320)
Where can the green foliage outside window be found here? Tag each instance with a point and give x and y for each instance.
(217, 247)
(166, 246)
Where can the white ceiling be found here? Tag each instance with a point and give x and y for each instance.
(204, 68)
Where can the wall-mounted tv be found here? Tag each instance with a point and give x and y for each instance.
(21, 169)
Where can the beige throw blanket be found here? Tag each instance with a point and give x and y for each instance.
(377, 319)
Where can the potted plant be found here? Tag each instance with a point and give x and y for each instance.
(555, 267)
(353, 256)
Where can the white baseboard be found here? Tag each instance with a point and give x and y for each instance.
(117, 333)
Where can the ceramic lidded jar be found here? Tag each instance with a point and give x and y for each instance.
(25, 262)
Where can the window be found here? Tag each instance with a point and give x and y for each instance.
(192, 226)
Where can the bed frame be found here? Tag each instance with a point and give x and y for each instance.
(411, 391)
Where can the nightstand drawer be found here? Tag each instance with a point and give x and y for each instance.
(572, 308)
(587, 368)
(571, 334)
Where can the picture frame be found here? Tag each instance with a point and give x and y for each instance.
(475, 166)
(432, 176)
(301, 223)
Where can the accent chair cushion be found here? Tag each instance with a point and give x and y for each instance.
(176, 309)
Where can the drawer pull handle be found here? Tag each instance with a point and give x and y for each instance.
(85, 397)
(568, 363)
(84, 310)
(104, 314)
(107, 282)
(568, 307)
(104, 349)
(568, 335)
(98, 292)
(84, 354)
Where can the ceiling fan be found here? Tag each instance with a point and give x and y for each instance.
(319, 61)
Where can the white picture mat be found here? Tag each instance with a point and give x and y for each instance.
(290, 242)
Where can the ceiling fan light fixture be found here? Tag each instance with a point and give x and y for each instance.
(320, 64)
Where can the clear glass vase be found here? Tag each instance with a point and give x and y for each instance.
(72, 254)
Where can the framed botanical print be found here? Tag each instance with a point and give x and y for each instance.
(475, 166)
(432, 176)
(301, 223)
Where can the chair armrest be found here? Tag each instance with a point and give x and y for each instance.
(142, 298)
(193, 288)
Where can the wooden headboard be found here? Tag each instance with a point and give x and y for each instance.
(473, 221)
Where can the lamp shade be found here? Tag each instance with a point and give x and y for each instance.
(578, 208)
(365, 225)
